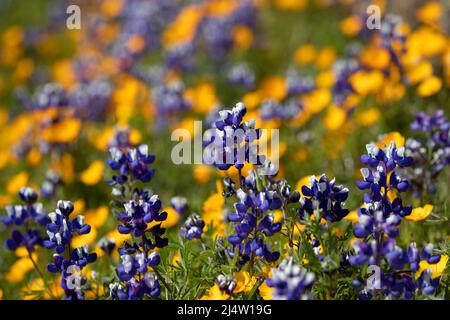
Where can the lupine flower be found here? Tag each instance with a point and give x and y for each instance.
(252, 219)
(402, 284)
(25, 217)
(107, 245)
(242, 76)
(130, 164)
(290, 281)
(226, 283)
(272, 109)
(179, 204)
(139, 214)
(432, 152)
(51, 182)
(298, 85)
(325, 196)
(381, 217)
(136, 289)
(90, 100)
(193, 227)
(169, 99)
(60, 231)
(132, 264)
(225, 144)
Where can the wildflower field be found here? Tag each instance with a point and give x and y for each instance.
(224, 149)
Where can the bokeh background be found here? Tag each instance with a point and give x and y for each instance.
(309, 68)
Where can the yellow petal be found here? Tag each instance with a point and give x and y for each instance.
(437, 269)
(420, 213)
(15, 183)
(368, 117)
(265, 291)
(334, 118)
(84, 239)
(215, 294)
(64, 131)
(93, 174)
(430, 86)
(305, 54)
(386, 139)
(352, 216)
(274, 87)
(97, 217)
(172, 218)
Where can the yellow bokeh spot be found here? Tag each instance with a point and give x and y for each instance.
(351, 26)
(273, 87)
(243, 37)
(305, 54)
(317, 100)
(366, 83)
(16, 182)
(290, 5)
(64, 131)
(97, 217)
(202, 173)
(325, 58)
(93, 174)
(368, 117)
(335, 118)
(430, 86)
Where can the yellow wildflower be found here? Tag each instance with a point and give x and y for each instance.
(437, 269)
(184, 27)
(325, 58)
(305, 54)
(420, 72)
(386, 139)
(430, 86)
(202, 173)
(430, 12)
(245, 282)
(375, 57)
(16, 182)
(352, 216)
(368, 117)
(334, 118)
(351, 26)
(202, 96)
(64, 131)
(265, 291)
(172, 218)
(274, 87)
(97, 217)
(243, 37)
(317, 100)
(19, 269)
(366, 83)
(420, 213)
(84, 239)
(214, 293)
(93, 174)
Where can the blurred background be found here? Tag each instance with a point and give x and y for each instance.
(310, 68)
